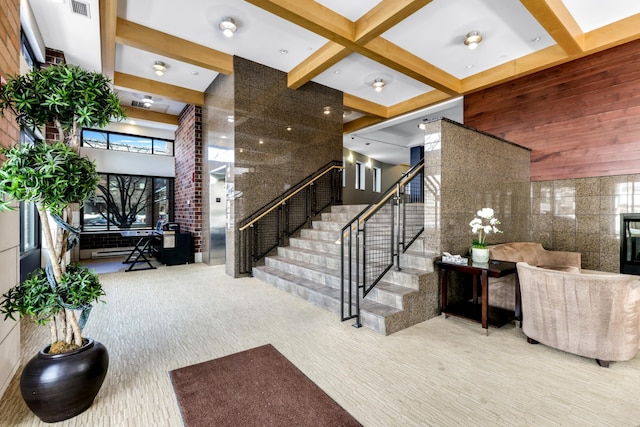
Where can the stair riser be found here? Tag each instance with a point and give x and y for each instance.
(319, 260)
(309, 233)
(319, 246)
(306, 273)
(332, 305)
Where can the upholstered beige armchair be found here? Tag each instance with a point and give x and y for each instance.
(591, 315)
(502, 290)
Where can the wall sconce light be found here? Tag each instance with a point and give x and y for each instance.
(378, 84)
(369, 164)
(228, 27)
(159, 68)
(473, 39)
(350, 158)
(326, 111)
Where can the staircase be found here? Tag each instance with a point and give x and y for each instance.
(310, 268)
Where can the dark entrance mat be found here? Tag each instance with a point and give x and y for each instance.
(257, 387)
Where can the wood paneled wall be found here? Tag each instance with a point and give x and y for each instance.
(580, 119)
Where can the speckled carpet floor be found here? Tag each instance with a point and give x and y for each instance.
(442, 372)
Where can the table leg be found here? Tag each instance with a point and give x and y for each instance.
(443, 291)
(485, 301)
(518, 310)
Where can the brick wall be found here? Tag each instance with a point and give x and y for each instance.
(9, 221)
(188, 181)
(9, 62)
(52, 56)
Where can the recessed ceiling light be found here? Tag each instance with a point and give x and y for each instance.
(337, 72)
(536, 39)
(159, 68)
(228, 27)
(284, 51)
(473, 39)
(469, 66)
(195, 73)
(378, 84)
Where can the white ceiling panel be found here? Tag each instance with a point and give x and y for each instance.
(436, 34)
(355, 74)
(592, 14)
(260, 37)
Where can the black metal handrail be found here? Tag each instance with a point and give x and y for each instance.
(372, 242)
(270, 226)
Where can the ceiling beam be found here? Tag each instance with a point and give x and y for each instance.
(135, 35)
(323, 58)
(153, 116)
(528, 64)
(108, 16)
(393, 56)
(378, 20)
(421, 101)
(313, 16)
(176, 93)
(329, 24)
(556, 19)
(360, 123)
(384, 16)
(615, 34)
(355, 103)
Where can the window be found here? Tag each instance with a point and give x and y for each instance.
(27, 52)
(29, 220)
(128, 201)
(125, 142)
(360, 176)
(377, 180)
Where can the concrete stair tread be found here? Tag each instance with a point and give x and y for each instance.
(366, 306)
(314, 267)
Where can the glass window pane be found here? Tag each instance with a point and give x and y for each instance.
(161, 199)
(29, 227)
(94, 213)
(160, 147)
(132, 143)
(94, 139)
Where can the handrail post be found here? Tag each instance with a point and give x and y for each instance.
(398, 228)
(358, 324)
(252, 248)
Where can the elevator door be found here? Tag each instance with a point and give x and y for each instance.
(217, 216)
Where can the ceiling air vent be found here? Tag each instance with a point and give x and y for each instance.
(80, 8)
(139, 104)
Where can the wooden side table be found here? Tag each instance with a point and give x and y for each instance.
(481, 312)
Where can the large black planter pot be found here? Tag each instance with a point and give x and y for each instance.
(60, 386)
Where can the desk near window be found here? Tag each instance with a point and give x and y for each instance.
(169, 246)
(471, 309)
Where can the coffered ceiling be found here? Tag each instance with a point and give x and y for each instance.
(415, 46)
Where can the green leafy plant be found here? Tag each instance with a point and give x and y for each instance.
(54, 176)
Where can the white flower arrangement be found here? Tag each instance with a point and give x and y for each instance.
(485, 223)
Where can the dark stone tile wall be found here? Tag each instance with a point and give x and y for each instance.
(466, 171)
(279, 136)
(297, 137)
